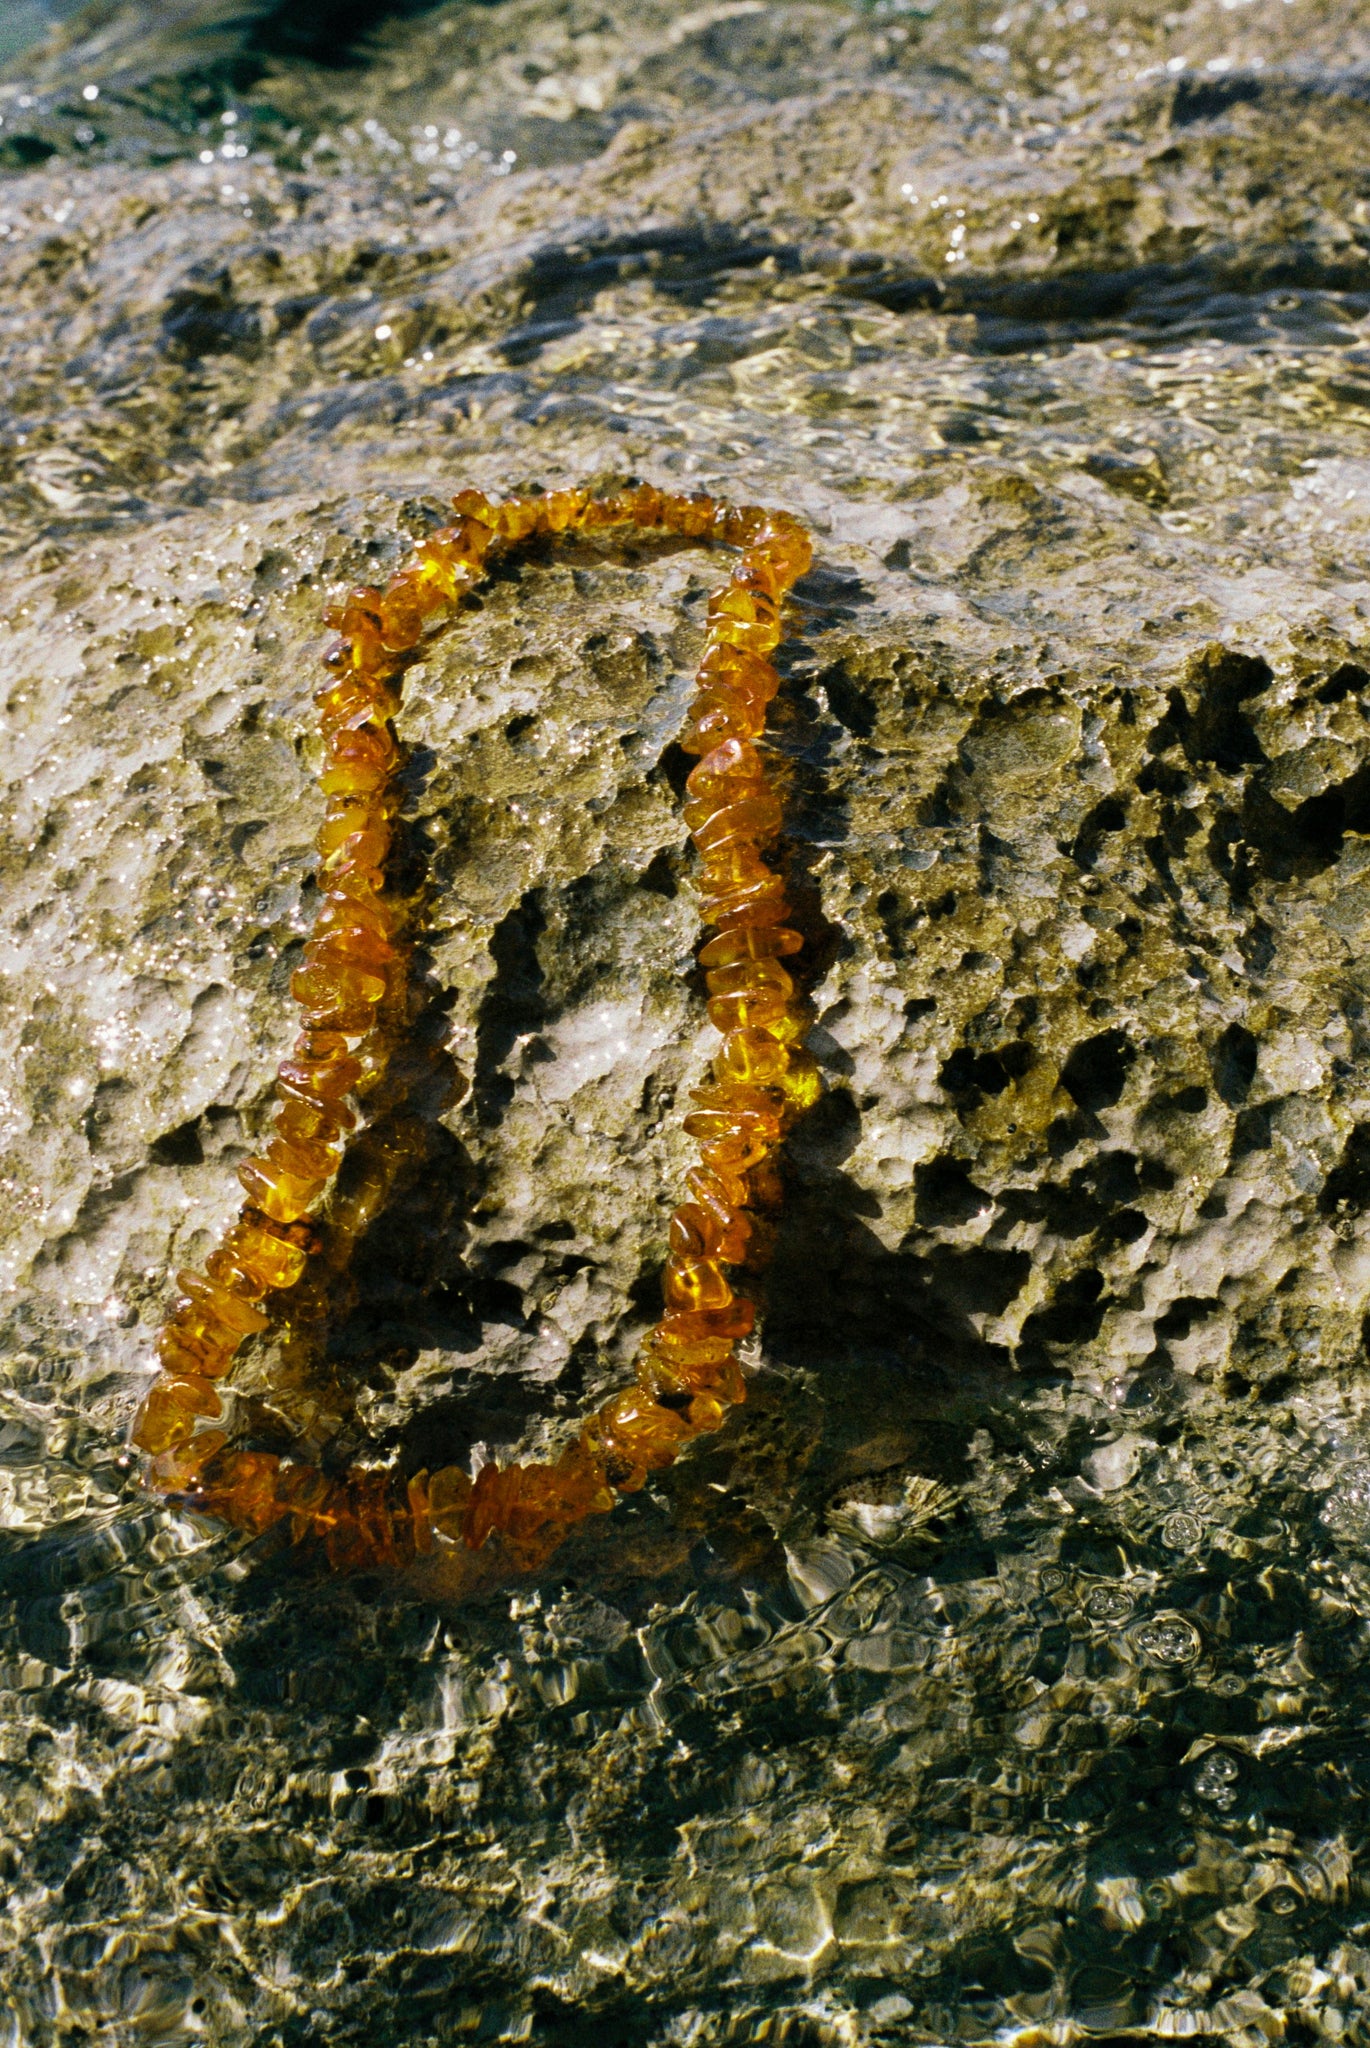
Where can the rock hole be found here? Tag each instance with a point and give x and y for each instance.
(1094, 1074)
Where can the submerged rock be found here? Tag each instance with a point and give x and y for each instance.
(996, 1671)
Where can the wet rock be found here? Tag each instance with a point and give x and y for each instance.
(1053, 326)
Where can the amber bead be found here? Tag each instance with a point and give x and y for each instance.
(276, 1260)
(737, 606)
(474, 506)
(178, 1468)
(752, 819)
(282, 1196)
(633, 1427)
(303, 1491)
(170, 1411)
(698, 1232)
(765, 942)
(230, 1309)
(715, 1188)
(694, 1284)
(330, 990)
(756, 571)
(564, 509)
(666, 1369)
(745, 904)
(692, 518)
(196, 1322)
(730, 865)
(246, 1480)
(193, 1358)
(354, 700)
(309, 1123)
(784, 542)
(726, 769)
(734, 668)
(354, 898)
(721, 715)
(749, 977)
(350, 946)
(802, 1082)
(303, 1160)
(323, 1080)
(736, 1105)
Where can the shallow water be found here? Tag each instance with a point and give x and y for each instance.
(996, 1675)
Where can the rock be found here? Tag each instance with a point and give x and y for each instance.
(1051, 324)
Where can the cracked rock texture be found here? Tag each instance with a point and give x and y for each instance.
(997, 1674)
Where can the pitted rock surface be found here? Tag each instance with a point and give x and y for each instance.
(998, 1669)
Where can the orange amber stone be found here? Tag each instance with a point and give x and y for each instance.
(753, 819)
(756, 636)
(731, 766)
(178, 1469)
(669, 1371)
(349, 905)
(719, 1191)
(354, 835)
(747, 907)
(733, 668)
(692, 1326)
(449, 1494)
(475, 506)
(323, 1080)
(737, 604)
(740, 1103)
(749, 977)
(721, 714)
(690, 517)
(276, 1260)
(169, 1412)
(349, 946)
(330, 988)
(193, 1358)
(633, 1427)
(216, 1300)
(732, 865)
(697, 1232)
(752, 1057)
(283, 1196)
(738, 525)
(645, 506)
(355, 699)
(309, 1123)
(758, 572)
(303, 1491)
(694, 1284)
(564, 509)
(768, 942)
(784, 542)
(302, 1159)
(247, 1482)
(734, 1151)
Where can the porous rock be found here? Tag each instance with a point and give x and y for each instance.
(1051, 324)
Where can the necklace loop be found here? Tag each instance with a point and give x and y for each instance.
(687, 1372)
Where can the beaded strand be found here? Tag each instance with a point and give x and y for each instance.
(687, 1372)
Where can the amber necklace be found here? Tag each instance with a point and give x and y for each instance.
(687, 1372)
